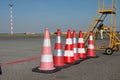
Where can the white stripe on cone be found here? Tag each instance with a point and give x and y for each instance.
(81, 50)
(58, 40)
(58, 53)
(46, 58)
(74, 50)
(46, 43)
(68, 41)
(90, 46)
(80, 40)
(68, 53)
(74, 40)
(90, 37)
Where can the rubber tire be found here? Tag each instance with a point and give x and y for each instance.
(109, 51)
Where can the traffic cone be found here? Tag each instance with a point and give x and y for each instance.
(90, 49)
(75, 49)
(81, 48)
(68, 53)
(46, 64)
(0, 70)
(58, 53)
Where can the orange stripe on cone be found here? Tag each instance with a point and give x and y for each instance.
(58, 46)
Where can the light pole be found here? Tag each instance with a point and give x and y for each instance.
(11, 19)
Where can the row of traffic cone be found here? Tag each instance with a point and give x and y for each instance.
(73, 51)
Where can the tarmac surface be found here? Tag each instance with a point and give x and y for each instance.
(19, 55)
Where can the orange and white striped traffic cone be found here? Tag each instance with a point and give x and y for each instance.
(81, 48)
(58, 52)
(90, 49)
(68, 53)
(75, 49)
(46, 64)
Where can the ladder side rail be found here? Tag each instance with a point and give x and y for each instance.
(92, 26)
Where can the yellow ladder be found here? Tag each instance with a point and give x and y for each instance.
(92, 26)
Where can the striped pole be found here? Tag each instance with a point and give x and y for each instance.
(11, 19)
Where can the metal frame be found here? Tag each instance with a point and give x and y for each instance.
(110, 30)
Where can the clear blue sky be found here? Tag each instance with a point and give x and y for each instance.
(34, 15)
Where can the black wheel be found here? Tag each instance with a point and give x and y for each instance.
(109, 51)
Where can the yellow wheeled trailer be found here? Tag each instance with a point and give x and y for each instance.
(99, 29)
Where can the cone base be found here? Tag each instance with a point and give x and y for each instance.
(37, 69)
(93, 56)
(83, 56)
(69, 60)
(60, 66)
(47, 66)
(77, 62)
(0, 71)
(91, 53)
(76, 57)
(65, 66)
(58, 61)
